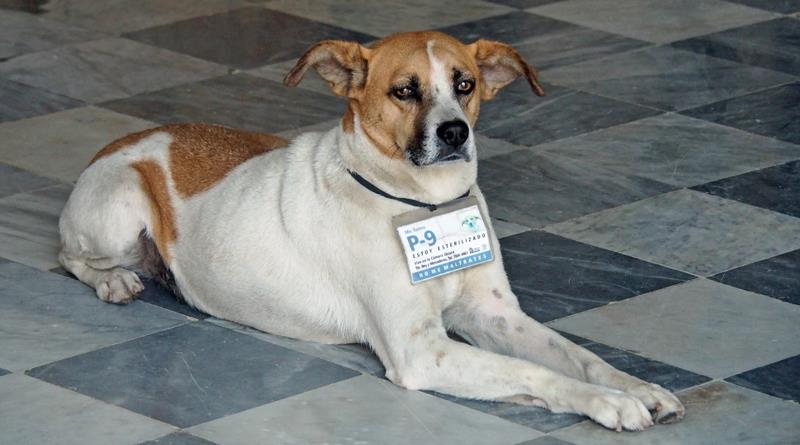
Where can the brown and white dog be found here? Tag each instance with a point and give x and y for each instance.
(279, 236)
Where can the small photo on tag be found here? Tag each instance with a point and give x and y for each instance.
(471, 221)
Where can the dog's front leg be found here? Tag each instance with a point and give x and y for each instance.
(489, 316)
(414, 347)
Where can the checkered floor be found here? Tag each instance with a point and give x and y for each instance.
(649, 208)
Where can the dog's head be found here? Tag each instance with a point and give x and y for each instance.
(416, 96)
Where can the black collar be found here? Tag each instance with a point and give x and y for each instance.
(412, 202)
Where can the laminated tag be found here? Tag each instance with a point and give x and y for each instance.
(451, 238)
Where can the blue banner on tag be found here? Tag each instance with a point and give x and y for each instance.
(452, 266)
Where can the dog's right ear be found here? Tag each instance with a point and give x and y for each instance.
(342, 64)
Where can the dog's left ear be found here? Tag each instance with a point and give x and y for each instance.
(500, 64)
(342, 64)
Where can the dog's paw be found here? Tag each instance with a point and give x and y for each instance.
(118, 286)
(666, 408)
(617, 410)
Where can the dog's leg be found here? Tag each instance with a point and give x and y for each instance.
(100, 228)
(413, 345)
(489, 316)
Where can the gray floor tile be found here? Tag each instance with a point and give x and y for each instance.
(488, 147)
(30, 6)
(29, 226)
(674, 150)
(533, 417)
(665, 78)
(362, 410)
(518, 116)
(72, 137)
(180, 438)
(511, 28)
(522, 4)
(15, 180)
(701, 326)
(777, 277)
(118, 16)
(717, 413)
(277, 71)
(34, 412)
(353, 356)
(517, 99)
(535, 189)
(573, 44)
(783, 6)
(670, 377)
(244, 38)
(321, 127)
(773, 44)
(772, 112)
(654, 20)
(554, 277)
(546, 440)
(389, 16)
(24, 33)
(776, 188)
(505, 229)
(239, 101)
(47, 317)
(18, 101)
(688, 231)
(545, 42)
(107, 69)
(779, 379)
(192, 374)
(155, 294)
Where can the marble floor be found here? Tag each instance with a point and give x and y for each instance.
(648, 208)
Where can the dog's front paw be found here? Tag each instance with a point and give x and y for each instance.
(118, 286)
(665, 406)
(617, 410)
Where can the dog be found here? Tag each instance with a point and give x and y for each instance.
(299, 239)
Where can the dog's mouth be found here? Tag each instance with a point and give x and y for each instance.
(452, 157)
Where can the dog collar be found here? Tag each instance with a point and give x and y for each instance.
(412, 202)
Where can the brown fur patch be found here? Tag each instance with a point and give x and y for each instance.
(154, 185)
(201, 155)
(439, 356)
(122, 142)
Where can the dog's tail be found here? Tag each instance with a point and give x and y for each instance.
(153, 265)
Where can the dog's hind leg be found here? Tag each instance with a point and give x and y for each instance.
(100, 229)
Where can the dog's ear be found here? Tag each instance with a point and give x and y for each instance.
(342, 64)
(500, 64)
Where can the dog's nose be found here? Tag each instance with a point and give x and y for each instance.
(453, 133)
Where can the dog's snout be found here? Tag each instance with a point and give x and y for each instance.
(453, 133)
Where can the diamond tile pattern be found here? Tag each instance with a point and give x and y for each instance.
(554, 277)
(665, 78)
(244, 38)
(666, 151)
(191, 374)
(240, 101)
(106, 69)
(773, 44)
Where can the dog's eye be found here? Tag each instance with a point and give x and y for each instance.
(403, 93)
(465, 86)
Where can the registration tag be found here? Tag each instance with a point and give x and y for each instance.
(449, 239)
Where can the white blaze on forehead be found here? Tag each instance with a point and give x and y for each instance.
(440, 81)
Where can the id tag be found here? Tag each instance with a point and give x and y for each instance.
(451, 238)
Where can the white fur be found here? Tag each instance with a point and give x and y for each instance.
(290, 244)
